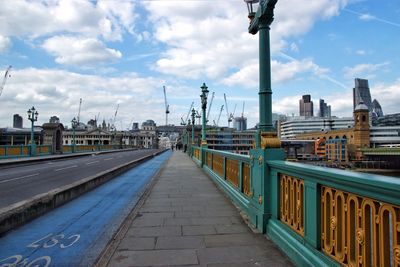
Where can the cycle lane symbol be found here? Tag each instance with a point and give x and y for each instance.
(59, 241)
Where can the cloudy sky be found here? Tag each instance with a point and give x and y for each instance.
(122, 52)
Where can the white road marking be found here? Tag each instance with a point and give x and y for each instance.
(108, 159)
(18, 178)
(92, 162)
(69, 167)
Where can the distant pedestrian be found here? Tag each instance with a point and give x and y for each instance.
(172, 147)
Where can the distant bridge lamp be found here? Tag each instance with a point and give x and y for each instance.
(32, 116)
(74, 124)
(203, 96)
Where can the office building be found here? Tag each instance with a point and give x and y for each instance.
(300, 125)
(240, 124)
(306, 106)
(361, 93)
(324, 109)
(17, 121)
(376, 109)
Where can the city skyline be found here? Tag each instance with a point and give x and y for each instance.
(110, 53)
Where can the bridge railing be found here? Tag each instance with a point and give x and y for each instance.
(88, 148)
(231, 171)
(318, 216)
(353, 218)
(23, 151)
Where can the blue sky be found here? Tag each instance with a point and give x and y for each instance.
(123, 52)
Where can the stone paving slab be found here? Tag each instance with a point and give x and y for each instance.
(187, 221)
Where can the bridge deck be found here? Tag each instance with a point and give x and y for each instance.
(187, 220)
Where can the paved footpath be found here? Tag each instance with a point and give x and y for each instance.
(187, 221)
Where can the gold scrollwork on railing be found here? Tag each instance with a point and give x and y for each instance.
(246, 179)
(196, 153)
(366, 232)
(218, 165)
(291, 199)
(209, 159)
(232, 171)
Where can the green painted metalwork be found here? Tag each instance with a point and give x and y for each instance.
(41, 150)
(193, 122)
(24, 151)
(260, 23)
(204, 94)
(263, 213)
(307, 250)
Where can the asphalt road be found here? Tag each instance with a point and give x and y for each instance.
(22, 182)
(77, 232)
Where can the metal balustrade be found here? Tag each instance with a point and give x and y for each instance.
(291, 203)
(231, 171)
(23, 150)
(319, 216)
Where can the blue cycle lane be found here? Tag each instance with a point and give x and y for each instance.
(76, 233)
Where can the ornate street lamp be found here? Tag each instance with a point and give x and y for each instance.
(32, 116)
(193, 122)
(260, 22)
(250, 8)
(74, 124)
(203, 96)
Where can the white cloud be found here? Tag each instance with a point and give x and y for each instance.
(211, 41)
(57, 92)
(366, 70)
(388, 96)
(108, 19)
(287, 105)
(5, 44)
(70, 50)
(361, 52)
(366, 17)
(294, 47)
(248, 76)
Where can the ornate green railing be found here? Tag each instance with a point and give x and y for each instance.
(23, 151)
(318, 216)
(231, 171)
(331, 216)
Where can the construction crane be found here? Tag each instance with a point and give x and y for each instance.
(243, 110)
(6, 75)
(198, 116)
(115, 116)
(219, 116)
(209, 107)
(232, 115)
(79, 110)
(166, 107)
(227, 112)
(184, 122)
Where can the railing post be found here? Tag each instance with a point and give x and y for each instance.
(264, 186)
(240, 184)
(312, 213)
(224, 167)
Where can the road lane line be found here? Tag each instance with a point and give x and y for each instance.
(108, 159)
(92, 162)
(69, 167)
(18, 178)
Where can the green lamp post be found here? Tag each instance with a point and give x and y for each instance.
(74, 124)
(203, 96)
(260, 22)
(193, 122)
(267, 144)
(32, 116)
